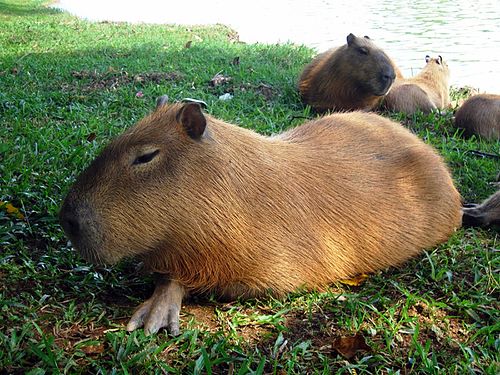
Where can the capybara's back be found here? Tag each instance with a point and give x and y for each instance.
(353, 76)
(480, 115)
(485, 214)
(427, 91)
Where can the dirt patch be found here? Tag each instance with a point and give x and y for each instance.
(113, 79)
(201, 317)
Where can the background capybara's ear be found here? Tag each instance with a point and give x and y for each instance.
(161, 101)
(427, 58)
(192, 119)
(350, 39)
(439, 60)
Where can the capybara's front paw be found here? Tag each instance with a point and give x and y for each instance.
(161, 310)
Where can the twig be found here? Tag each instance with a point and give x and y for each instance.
(483, 154)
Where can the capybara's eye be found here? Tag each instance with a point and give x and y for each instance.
(363, 50)
(145, 158)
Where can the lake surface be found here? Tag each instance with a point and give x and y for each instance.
(465, 33)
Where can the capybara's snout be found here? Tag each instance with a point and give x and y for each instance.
(387, 77)
(70, 220)
(80, 225)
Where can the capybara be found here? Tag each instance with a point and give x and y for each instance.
(427, 91)
(484, 214)
(480, 115)
(214, 207)
(353, 76)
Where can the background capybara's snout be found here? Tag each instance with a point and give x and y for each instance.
(387, 77)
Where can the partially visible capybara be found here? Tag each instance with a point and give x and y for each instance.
(427, 91)
(354, 76)
(480, 115)
(484, 214)
(215, 207)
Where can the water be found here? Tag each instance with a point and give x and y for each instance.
(466, 33)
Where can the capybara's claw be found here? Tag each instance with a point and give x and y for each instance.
(163, 316)
(161, 310)
(137, 320)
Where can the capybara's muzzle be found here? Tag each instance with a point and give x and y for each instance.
(80, 225)
(386, 80)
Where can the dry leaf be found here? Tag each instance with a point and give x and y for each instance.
(91, 137)
(93, 349)
(188, 44)
(355, 281)
(348, 346)
(11, 210)
(218, 80)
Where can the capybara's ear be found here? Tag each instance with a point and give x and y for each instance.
(192, 119)
(191, 100)
(367, 37)
(427, 58)
(439, 60)
(350, 39)
(161, 101)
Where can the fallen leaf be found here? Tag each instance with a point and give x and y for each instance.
(11, 210)
(355, 281)
(236, 60)
(93, 349)
(91, 137)
(348, 346)
(188, 44)
(218, 80)
(266, 90)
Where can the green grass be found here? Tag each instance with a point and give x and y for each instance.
(67, 86)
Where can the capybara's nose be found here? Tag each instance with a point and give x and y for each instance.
(70, 221)
(388, 76)
(72, 226)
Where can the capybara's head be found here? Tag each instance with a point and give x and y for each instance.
(368, 65)
(437, 64)
(127, 200)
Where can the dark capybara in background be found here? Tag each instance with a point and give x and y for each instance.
(427, 91)
(480, 115)
(354, 76)
(214, 207)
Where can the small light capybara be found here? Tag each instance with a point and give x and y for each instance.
(427, 91)
(354, 76)
(480, 115)
(483, 215)
(214, 207)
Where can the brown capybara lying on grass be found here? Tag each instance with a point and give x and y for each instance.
(214, 207)
(480, 115)
(427, 91)
(484, 214)
(354, 76)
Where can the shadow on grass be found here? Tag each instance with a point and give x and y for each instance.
(25, 10)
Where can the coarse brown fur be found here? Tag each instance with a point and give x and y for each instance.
(485, 214)
(350, 77)
(480, 115)
(427, 91)
(242, 214)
